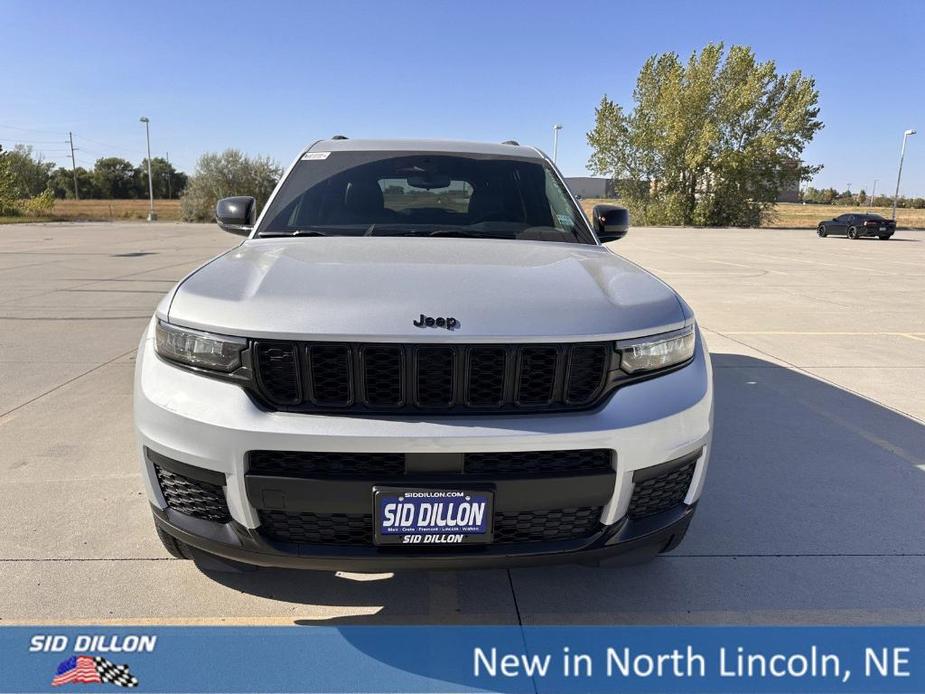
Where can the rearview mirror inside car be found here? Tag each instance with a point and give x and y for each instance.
(610, 222)
(236, 215)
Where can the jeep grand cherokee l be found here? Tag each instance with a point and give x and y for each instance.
(422, 356)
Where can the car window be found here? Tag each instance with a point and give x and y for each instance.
(383, 193)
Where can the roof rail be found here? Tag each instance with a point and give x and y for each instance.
(340, 137)
(511, 142)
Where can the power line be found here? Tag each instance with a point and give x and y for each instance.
(30, 142)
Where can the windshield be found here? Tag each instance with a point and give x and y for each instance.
(407, 194)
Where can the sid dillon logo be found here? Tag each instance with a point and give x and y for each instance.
(83, 668)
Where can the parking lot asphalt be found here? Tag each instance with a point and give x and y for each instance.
(814, 505)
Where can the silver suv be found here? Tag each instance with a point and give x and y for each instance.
(422, 356)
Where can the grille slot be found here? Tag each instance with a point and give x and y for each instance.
(455, 379)
(356, 529)
(434, 378)
(308, 465)
(537, 375)
(383, 368)
(279, 372)
(535, 463)
(331, 378)
(192, 497)
(586, 369)
(485, 382)
(662, 492)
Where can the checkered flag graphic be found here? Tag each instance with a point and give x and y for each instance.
(111, 673)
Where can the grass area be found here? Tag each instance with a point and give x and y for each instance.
(102, 211)
(789, 215)
(792, 215)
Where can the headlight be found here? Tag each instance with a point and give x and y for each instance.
(200, 349)
(657, 351)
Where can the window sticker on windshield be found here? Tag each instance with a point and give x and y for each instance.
(315, 155)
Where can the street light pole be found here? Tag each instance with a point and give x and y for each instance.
(873, 194)
(902, 154)
(555, 142)
(152, 215)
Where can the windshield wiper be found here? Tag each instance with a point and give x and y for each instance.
(291, 233)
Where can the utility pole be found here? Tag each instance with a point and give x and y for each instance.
(873, 194)
(167, 159)
(70, 137)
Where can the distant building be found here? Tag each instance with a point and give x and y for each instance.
(591, 187)
(791, 193)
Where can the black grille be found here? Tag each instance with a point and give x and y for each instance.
(586, 370)
(308, 465)
(438, 378)
(434, 376)
(193, 497)
(330, 375)
(485, 385)
(357, 528)
(533, 463)
(544, 526)
(317, 528)
(661, 493)
(382, 376)
(372, 466)
(279, 372)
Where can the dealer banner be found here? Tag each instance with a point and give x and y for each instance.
(462, 659)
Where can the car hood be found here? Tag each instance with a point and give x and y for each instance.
(367, 288)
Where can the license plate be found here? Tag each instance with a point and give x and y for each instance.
(882, 228)
(416, 517)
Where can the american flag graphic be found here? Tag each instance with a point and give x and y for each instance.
(86, 669)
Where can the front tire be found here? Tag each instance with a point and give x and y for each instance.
(853, 233)
(884, 238)
(821, 232)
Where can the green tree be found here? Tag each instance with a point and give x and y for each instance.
(709, 142)
(168, 182)
(114, 178)
(221, 175)
(8, 197)
(61, 182)
(29, 171)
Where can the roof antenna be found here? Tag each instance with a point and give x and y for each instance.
(511, 142)
(340, 137)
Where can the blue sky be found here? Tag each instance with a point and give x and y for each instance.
(269, 77)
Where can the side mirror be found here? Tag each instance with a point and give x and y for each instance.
(236, 215)
(610, 222)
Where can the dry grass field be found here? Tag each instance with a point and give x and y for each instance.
(102, 211)
(796, 216)
(786, 215)
(167, 210)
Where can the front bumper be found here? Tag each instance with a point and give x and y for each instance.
(213, 425)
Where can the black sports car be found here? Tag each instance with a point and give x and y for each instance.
(857, 225)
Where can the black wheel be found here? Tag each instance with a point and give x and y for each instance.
(821, 232)
(852, 233)
(884, 238)
(174, 547)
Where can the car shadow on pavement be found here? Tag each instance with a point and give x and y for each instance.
(812, 513)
